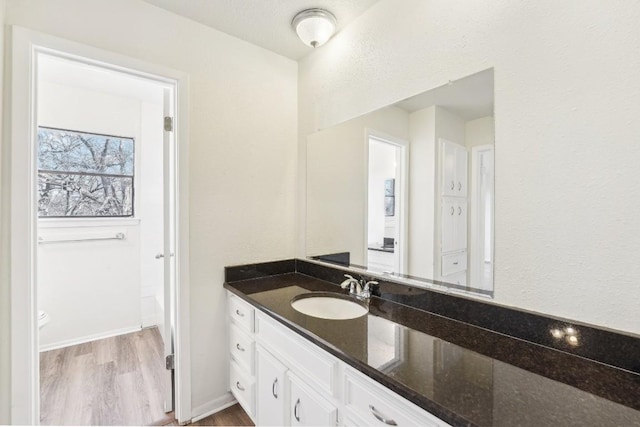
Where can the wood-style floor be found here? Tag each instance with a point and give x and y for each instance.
(113, 381)
(232, 416)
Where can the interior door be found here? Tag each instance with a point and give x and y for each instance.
(169, 216)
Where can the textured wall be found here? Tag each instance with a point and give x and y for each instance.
(567, 99)
(242, 130)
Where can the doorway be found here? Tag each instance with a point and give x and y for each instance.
(386, 222)
(482, 217)
(78, 193)
(100, 275)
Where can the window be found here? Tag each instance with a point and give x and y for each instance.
(82, 174)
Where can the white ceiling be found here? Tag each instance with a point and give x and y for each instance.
(469, 98)
(266, 23)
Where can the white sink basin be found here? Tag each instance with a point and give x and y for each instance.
(329, 305)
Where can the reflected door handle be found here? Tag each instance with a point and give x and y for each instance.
(239, 347)
(239, 386)
(158, 256)
(296, 410)
(452, 210)
(459, 186)
(459, 210)
(453, 185)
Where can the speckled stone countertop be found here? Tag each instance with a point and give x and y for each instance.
(463, 374)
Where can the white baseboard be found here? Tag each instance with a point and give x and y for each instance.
(213, 406)
(89, 338)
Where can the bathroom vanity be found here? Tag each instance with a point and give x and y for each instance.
(404, 365)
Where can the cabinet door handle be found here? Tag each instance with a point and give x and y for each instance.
(455, 263)
(459, 186)
(274, 388)
(459, 211)
(453, 185)
(239, 386)
(452, 210)
(239, 313)
(381, 417)
(295, 410)
(239, 348)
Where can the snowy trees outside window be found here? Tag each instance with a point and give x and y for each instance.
(82, 174)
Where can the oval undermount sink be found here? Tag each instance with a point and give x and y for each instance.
(329, 305)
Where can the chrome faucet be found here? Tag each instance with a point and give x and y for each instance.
(360, 289)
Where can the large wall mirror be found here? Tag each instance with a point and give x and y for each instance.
(407, 191)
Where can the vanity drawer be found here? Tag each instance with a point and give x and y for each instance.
(373, 404)
(243, 388)
(242, 348)
(241, 312)
(459, 278)
(453, 263)
(302, 357)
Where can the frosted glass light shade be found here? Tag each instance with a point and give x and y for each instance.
(314, 26)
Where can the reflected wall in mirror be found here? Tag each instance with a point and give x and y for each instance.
(408, 190)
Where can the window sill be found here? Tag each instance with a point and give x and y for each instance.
(86, 222)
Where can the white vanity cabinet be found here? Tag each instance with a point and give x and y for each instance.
(272, 407)
(242, 348)
(295, 383)
(308, 407)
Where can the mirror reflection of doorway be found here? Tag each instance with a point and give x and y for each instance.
(482, 217)
(385, 205)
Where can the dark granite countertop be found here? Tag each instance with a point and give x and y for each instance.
(464, 374)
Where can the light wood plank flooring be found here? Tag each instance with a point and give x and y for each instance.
(232, 416)
(113, 381)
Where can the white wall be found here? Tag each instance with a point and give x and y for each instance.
(479, 132)
(422, 164)
(5, 295)
(242, 134)
(337, 158)
(567, 99)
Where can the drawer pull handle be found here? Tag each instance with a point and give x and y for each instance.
(381, 417)
(295, 410)
(274, 388)
(239, 348)
(455, 263)
(239, 313)
(239, 386)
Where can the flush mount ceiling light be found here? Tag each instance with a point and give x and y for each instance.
(314, 26)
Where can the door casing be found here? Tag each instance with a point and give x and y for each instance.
(20, 132)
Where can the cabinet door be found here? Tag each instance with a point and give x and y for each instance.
(461, 172)
(448, 237)
(308, 408)
(460, 219)
(449, 164)
(272, 408)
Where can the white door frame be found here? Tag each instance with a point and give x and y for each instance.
(21, 131)
(476, 242)
(403, 191)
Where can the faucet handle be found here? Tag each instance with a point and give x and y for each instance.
(347, 282)
(367, 286)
